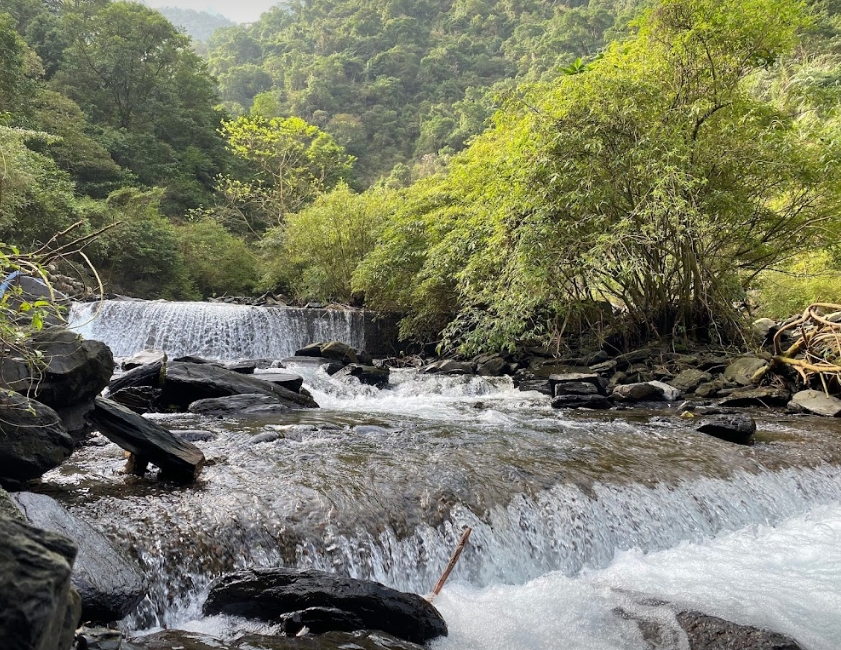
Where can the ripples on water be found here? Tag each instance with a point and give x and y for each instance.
(570, 511)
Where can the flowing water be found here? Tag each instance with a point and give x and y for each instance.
(575, 516)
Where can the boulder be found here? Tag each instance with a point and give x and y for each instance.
(491, 367)
(247, 405)
(140, 399)
(764, 328)
(339, 351)
(449, 367)
(186, 383)
(110, 584)
(639, 392)
(576, 388)
(8, 508)
(667, 393)
(540, 385)
(712, 633)
(765, 396)
(818, 402)
(331, 367)
(33, 439)
(150, 374)
(311, 350)
(39, 609)
(243, 366)
(149, 442)
(318, 620)
(581, 402)
(741, 371)
(732, 428)
(267, 594)
(712, 388)
(288, 380)
(688, 380)
(358, 640)
(144, 358)
(370, 375)
(596, 380)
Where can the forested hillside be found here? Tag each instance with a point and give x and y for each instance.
(501, 173)
(198, 25)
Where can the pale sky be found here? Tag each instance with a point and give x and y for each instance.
(240, 11)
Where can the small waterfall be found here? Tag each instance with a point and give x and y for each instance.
(213, 330)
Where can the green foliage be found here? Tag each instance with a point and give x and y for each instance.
(197, 24)
(316, 251)
(809, 278)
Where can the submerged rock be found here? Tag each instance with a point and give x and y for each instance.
(359, 640)
(268, 594)
(110, 584)
(712, 633)
(250, 404)
(733, 428)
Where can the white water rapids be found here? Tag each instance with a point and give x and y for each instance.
(576, 516)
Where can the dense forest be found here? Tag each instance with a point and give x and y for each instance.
(500, 172)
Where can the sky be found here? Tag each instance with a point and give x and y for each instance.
(240, 11)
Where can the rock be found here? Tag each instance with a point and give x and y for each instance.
(491, 367)
(762, 397)
(186, 383)
(100, 638)
(741, 371)
(287, 380)
(359, 640)
(712, 388)
(818, 402)
(667, 393)
(267, 594)
(639, 392)
(246, 405)
(540, 385)
(711, 633)
(576, 388)
(39, 609)
(623, 361)
(144, 358)
(8, 508)
(543, 369)
(110, 584)
(764, 328)
(733, 428)
(150, 374)
(195, 435)
(449, 367)
(581, 402)
(33, 439)
(243, 366)
(577, 377)
(370, 375)
(140, 399)
(688, 380)
(339, 351)
(311, 350)
(75, 370)
(319, 620)
(603, 368)
(178, 460)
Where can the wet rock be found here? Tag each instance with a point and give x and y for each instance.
(287, 380)
(311, 350)
(491, 365)
(711, 633)
(186, 383)
(741, 371)
(140, 399)
(759, 397)
(639, 392)
(39, 609)
(360, 640)
(144, 358)
(568, 378)
(319, 620)
(110, 584)
(581, 402)
(243, 366)
(369, 375)
(732, 428)
(33, 439)
(623, 361)
(339, 351)
(449, 367)
(540, 385)
(688, 380)
(150, 374)
(267, 594)
(8, 508)
(545, 368)
(195, 435)
(100, 638)
(667, 393)
(150, 443)
(330, 367)
(247, 405)
(576, 388)
(817, 402)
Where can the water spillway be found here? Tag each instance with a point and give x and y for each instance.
(217, 330)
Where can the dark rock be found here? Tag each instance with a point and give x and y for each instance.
(140, 399)
(359, 640)
(246, 405)
(764, 328)
(74, 369)
(189, 358)
(732, 428)
(186, 383)
(741, 371)
(267, 594)
(688, 380)
(576, 388)
(577, 377)
(243, 366)
(449, 367)
(288, 380)
(195, 435)
(311, 350)
(667, 393)
(626, 360)
(39, 609)
(100, 638)
(75, 419)
(8, 508)
(370, 375)
(364, 358)
(640, 392)
(493, 367)
(546, 368)
(110, 584)
(762, 397)
(319, 620)
(178, 460)
(150, 374)
(581, 402)
(712, 388)
(144, 358)
(33, 439)
(815, 401)
(540, 385)
(712, 633)
(604, 368)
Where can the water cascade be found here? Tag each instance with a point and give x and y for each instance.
(213, 330)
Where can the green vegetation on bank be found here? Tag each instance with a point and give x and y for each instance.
(502, 173)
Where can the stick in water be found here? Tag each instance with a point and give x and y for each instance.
(456, 554)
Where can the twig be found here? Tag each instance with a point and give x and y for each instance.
(456, 555)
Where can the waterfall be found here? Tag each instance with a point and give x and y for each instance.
(213, 330)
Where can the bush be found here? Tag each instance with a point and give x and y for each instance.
(812, 277)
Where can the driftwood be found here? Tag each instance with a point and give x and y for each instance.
(451, 565)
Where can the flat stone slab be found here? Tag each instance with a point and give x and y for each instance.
(599, 402)
(288, 380)
(248, 405)
(818, 403)
(732, 428)
(760, 397)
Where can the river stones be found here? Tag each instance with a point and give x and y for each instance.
(737, 428)
(288, 380)
(178, 459)
(575, 383)
(33, 439)
(688, 380)
(110, 584)
(581, 402)
(712, 633)
(818, 402)
(369, 375)
(268, 594)
(144, 358)
(765, 396)
(637, 392)
(39, 608)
